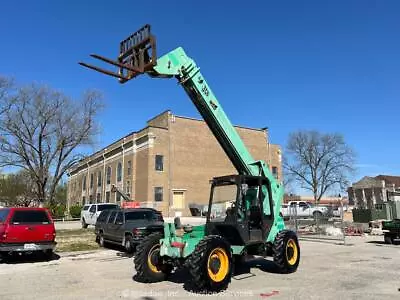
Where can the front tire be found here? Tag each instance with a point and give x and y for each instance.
(84, 224)
(210, 264)
(317, 215)
(286, 251)
(148, 263)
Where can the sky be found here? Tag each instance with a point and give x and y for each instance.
(331, 66)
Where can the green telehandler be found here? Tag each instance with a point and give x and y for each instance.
(251, 223)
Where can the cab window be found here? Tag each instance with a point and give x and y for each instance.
(119, 218)
(112, 217)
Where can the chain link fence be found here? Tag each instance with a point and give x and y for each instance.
(326, 226)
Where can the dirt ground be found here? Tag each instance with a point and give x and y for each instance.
(365, 268)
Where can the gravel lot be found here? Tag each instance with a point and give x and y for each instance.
(363, 269)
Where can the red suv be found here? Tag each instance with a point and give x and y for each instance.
(24, 229)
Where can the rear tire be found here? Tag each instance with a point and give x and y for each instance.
(49, 254)
(211, 264)
(128, 244)
(101, 240)
(286, 251)
(84, 225)
(148, 263)
(388, 239)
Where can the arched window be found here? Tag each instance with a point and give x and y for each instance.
(91, 180)
(108, 176)
(84, 183)
(119, 172)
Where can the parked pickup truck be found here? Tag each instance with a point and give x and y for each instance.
(303, 209)
(90, 212)
(26, 230)
(127, 227)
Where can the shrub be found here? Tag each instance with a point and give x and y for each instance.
(57, 210)
(75, 211)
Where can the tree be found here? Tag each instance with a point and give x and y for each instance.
(6, 86)
(60, 196)
(17, 189)
(41, 131)
(319, 162)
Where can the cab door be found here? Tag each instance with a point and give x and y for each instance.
(92, 215)
(267, 205)
(109, 226)
(117, 228)
(260, 211)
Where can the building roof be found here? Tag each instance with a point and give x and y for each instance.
(367, 182)
(389, 179)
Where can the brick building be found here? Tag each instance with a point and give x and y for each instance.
(369, 191)
(167, 164)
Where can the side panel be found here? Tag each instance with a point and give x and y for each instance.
(190, 241)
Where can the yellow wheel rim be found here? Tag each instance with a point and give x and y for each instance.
(292, 252)
(152, 252)
(218, 265)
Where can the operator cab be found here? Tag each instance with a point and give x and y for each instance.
(240, 209)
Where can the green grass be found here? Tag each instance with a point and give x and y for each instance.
(77, 246)
(69, 240)
(74, 232)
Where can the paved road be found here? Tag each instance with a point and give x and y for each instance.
(365, 270)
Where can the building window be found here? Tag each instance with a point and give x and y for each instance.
(128, 188)
(108, 197)
(91, 180)
(98, 198)
(158, 193)
(90, 199)
(99, 179)
(83, 200)
(129, 169)
(275, 172)
(119, 172)
(108, 176)
(84, 183)
(159, 163)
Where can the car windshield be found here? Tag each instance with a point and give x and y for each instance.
(102, 207)
(138, 215)
(3, 214)
(30, 217)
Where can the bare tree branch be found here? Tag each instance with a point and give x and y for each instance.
(319, 162)
(41, 130)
